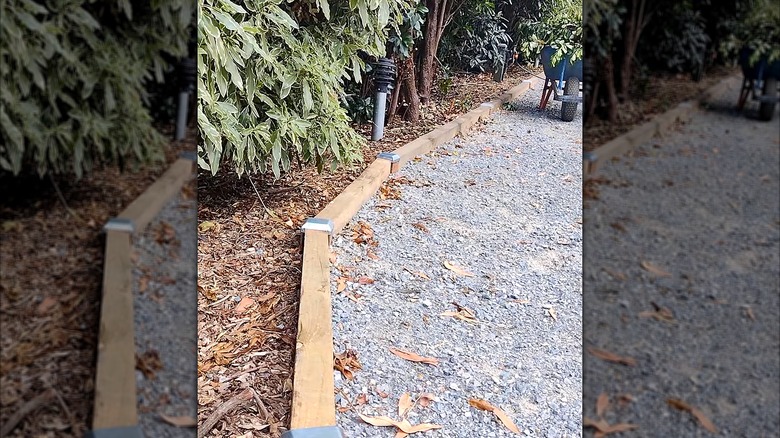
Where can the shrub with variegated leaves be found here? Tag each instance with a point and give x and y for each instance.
(73, 77)
(270, 76)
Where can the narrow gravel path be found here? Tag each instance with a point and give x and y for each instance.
(505, 205)
(703, 205)
(165, 315)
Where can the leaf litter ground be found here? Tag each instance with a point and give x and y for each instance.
(249, 251)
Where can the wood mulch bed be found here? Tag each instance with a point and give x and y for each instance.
(249, 259)
(51, 265)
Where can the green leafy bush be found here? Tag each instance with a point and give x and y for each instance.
(73, 76)
(476, 41)
(679, 41)
(270, 78)
(757, 28)
(559, 27)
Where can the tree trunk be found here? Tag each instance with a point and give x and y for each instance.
(612, 97)
(440, 13)
(409, 92)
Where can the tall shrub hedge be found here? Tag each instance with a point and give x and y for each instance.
(270, 76)
(73, 75)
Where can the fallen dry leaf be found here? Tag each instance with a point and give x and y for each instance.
(403, 425)
(208, 293)
(404, 404)
(660, 313)
(206, 226)
(602, 403)
(365, 280)
(45, 305)
(148, 363)
(604, 428)
(414, 357)
(361, 399)
(612, 357)
(653, 269)
(698, 414)
(457, 269)
(347, 363)
(341, 284)
(486, 406)
(425, 399)
(180, 421)
(553, 313)
(243, 305)
(420, 227)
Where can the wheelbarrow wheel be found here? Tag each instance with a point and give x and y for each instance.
(569, 109)
(767, 108)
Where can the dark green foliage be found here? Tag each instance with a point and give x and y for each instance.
(477, 38)
(74, 75)
(680, 41)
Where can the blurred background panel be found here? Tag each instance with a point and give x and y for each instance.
(681, 264)
(89, 102)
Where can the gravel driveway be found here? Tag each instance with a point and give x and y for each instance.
(702, 318)
(504, 204)
(165, 317)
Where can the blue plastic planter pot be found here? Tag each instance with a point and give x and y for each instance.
(554, 72)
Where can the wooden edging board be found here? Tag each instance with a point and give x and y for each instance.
(313, 403)
(660, 124)
(115, 391)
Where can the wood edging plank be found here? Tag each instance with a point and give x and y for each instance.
(313, 387)
(341, 209)
(313, 400)
(145, 207)
(115, 400)
(115, 391)
(659, 125)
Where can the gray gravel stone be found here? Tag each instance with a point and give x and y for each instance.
(165, 315)
(504, 204)
(703, 203)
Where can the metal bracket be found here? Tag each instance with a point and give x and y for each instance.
(394, 159)
(189, 155)
(317, 224)
(115, 432)
(119, 224)
(315, 432)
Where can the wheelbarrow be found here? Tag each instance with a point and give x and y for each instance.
(760, 82)
(562, 81)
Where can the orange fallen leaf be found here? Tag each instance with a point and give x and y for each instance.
(180, 421)
(486, 406)
(653, 269)
(208, 293)
(341, 284)
(361, 399)
(347, 363)
(420, 226)
(403, 425)
(414, 357)
(425, 399)
(698, 414)
(365, 280)
(602, 403)
(46, 305)
(404, 404)
(604, 428)
(457, 269)
(243, 305)
(612, 357)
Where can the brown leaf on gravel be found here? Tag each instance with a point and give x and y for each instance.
(405, 404)
(361, 399)
(618, 226)
(412, 357)
(208, 293)
(347, 363)
(502, 416)
(660, 313)
(462, 313)
(165, 233)
(420, 226)
(457, 269)
(612, 357)
(365, 280)
(698, 414)
(341, 284)
(403, 425)
(425, 399)
(604, 428)
(653, 269)
(180, 421)
(148, 363)
(602, 403)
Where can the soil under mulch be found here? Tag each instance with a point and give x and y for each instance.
(249, 259)
(651, 96)
(51, 260)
